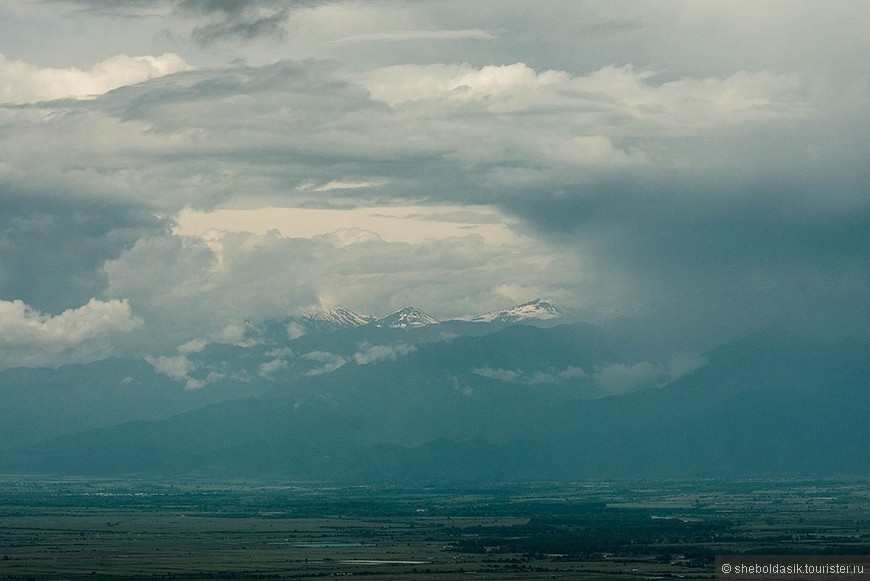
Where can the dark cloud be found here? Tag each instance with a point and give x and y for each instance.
(697, 170)
(226, 7)
(244, 28)
(218, 20)
(240, 19)
(700, 211)
(53, 254)
(705, 259)
(116, 8)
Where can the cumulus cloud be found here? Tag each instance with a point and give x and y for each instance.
(625, 377)
(234, 333)
(192, 346)
(611, 378)
(509, 375)
(608, 97)
(328, 362)
(21, 82)
(181, 367)
(295, 330)
(617, 378)
(279, 360)
(572, 372)
(183, 290)
(530, 377)
(683, 364)
(179, 284)
(267, 368)
(176, 367)
(21, 325)
(375, 353)
(30, 337)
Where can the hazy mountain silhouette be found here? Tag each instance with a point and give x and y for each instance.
(518, 403)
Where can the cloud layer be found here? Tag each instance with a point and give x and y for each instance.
(686, 171)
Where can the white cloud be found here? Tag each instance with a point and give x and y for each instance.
(281, 352)
(508, 375)
(623, 99)
(458, 83)
(272, 276)
(176, 367)
(530, 378)
(540, 378)
(618, 378)
(269, 367)
(375, 353)
(22, 325)
(30, 337)
(625, 377)
(528, 128)
(572, 372)
(683, 364)
(340, 185)
(231, 333)
(192, 346)
(21, 82)
(192, 299)
(329, 362)
(295, 330)
(612, 378)
(280, 361)
(181, 368)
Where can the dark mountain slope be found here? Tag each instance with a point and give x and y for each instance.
(770, 404)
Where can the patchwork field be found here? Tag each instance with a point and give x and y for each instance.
(122, 529)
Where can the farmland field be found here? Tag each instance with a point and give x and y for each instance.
(125, 529)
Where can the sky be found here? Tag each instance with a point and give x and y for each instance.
(683, 171)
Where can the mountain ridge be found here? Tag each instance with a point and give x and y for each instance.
(339, 317)
(479, 408)
(406, 318)
(539, 309)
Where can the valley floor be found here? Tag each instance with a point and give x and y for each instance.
(124, 529)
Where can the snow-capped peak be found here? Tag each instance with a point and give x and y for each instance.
(406, 318)
(325, 320)
(536, 309)
(338, 317)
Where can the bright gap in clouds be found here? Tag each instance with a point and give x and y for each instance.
(22, 82)
(409, 224)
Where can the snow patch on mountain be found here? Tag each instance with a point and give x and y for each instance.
(326, 320)
(406, 318)
(339, 317)
(537, 309)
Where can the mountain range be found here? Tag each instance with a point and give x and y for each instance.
(408, 398)
(340, 317)
(537, 309)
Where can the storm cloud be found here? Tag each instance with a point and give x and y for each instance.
(687, 172)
